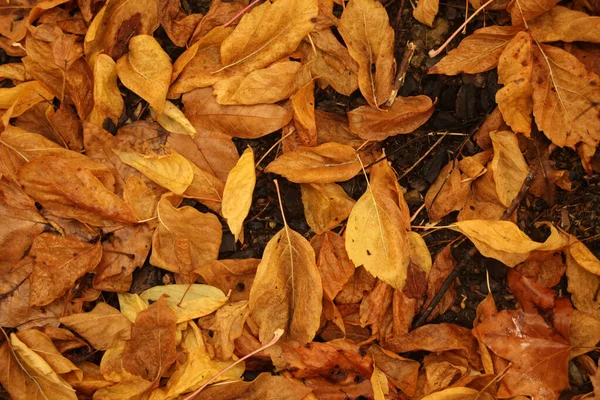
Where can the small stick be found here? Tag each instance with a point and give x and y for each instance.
(276, 336)
(408, 54)
(232, 20)
(470, 254)
(423, 157)
(434, 53)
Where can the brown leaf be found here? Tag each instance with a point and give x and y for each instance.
(508, 166)
(116, 23)
(185, 238)
(476, 53)
(540, 356)
(41, 344)
(563, 24)
(267, 85)
(146, 70)
(249, 122)
(405, 116)
(584, 333)
(543, 267)
(326, 205)
(18, 99)
(67, 126)
(439, 371)
(532, 296)
(583, 283)
(230, 275)
(206, 188)
(402, 372)
(133, 389)
(287, 290)
(515, 70)
(75, 188)
(264, 387)
(64, 339)
(442, 266)
(213, 152)
(108, 102)
(447, 193)
(303, 106)
(219, 13)
(331, 63)
(224, 328)
(426, 11)
(151, 349)
(17, 16)
(525, 10)
(101, 327)
(563, 94)
(58, 263)
(177, 24)
(268, 32)
(437, 338)
(371, 46)
(326, 163)
(334, 128)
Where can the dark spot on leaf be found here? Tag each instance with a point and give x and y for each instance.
(368, 253)
(240, 287)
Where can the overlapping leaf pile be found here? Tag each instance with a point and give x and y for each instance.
(90, 192)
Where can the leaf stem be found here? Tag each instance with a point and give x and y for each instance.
(239, 14)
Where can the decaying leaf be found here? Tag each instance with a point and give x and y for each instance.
(237, 195)
(366, 31)
(287, 290)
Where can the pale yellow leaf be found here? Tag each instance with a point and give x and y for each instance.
(108, 102)
(131, 305)
(174, 120)
(326, 205)
(188, 301)
(508, 166)
(237, 195)
(380, 385)
(426, 11)
(171, 171)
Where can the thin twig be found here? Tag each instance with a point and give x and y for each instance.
(422, 157)
(239, 14)
(470, 254)
(407, 56)
(274, 145)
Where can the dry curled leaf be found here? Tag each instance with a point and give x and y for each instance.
(326, 163)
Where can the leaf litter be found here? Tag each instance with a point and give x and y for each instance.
(268, 199)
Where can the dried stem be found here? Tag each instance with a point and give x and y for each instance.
(239, 14)
(407, 56)
(470, 254)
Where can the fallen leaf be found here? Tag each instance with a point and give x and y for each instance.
(532, 296)
(543, 267)
(108, 102)
(131, 305)
(75, 188)
(508, 166)
(540, 356)
(18, 99)
(563, 24)
(402, 372)
(405, 116)
(326, 163)
(528, 9)
(447, 193)
(439, 371)
(66, 126)
(268, 32)
(116, 23)
(504, 241)
(174, 120)
(101, 327)
(582, 283)
(224, 328)
(151, 349)
(64, 339)
(584, 333)
(426, 11)
(178, 25)
(515, 69)
(213, 152)
(371, 46)
(146, 70)
(458, 393)
(437, 338)
(185, 238)
(248, 122)
(478, 52)
(172, 171)
(303, 106)
(287, 290)
(235, 276)
(380, 384)
(219, 13)
(134, 389)
(383, 251)
(41, 344)
(92, 379)
(237, 195)
(187, 301)
(206, 188)
(326, 205)
(267, 85)
(58, 263)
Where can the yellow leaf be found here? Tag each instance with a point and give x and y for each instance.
(478, 52)
(426, 11)
(508, 166)
(406, 115)
(584, 257)
(287, 291)
(247, 122)
(108, 102)
(18, 99)
(111, 364)
(237, 195)
(131, 305)
(227, 324)
(101, 327)
(206, 188)
(327, 163)
(188, 301)
(566, 25)
(528, 9)
(504, 241)
(326, 205)
(269, 32)
(380, 385)
(303, 105)
(514, 72)
(174, 121)
(267, 85)
(146, 70)
(447, 193)
(457, 393)
(185, 238)
(365, 28)
(171, 171)
(134, 389)
(41, 344)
